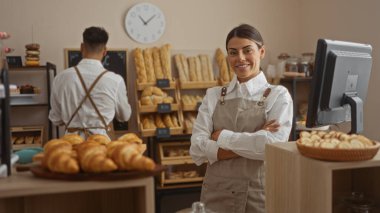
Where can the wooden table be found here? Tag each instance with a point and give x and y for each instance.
(22, 192)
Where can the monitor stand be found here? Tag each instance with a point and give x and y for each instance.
(356, 105)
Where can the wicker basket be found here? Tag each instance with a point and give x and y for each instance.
(338, 154)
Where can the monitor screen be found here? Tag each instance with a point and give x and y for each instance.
(340, 83)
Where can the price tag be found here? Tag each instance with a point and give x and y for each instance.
(163, 133)
(164, 108)
(198, 105)
(162, 83)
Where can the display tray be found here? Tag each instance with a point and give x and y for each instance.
(338, 154)
(41, 172)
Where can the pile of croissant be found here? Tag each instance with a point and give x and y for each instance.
(159, 121)
(72, 154)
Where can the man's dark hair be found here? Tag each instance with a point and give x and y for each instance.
(248, 32)
(95, 38)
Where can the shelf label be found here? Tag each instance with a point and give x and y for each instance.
(164, 108)
(163, 132)
(162, 83)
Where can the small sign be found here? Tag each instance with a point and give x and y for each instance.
(14, 61)
(163, 133)
(162, 83)
(164, 108)
(198, 105)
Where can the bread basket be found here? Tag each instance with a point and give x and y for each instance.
(338, 154)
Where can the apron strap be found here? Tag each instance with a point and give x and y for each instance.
(87, 91)
(265, 95)
(222, 95)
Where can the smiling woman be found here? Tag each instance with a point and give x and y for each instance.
(145, 23)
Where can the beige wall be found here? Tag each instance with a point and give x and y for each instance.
(291, 26)
(349, 20)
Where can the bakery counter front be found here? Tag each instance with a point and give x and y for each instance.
(299, 184)
(23, 192)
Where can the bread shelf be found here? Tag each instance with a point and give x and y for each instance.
(154, 108)
(142, 86)
(197, 85)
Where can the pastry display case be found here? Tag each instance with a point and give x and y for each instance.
(180, 167)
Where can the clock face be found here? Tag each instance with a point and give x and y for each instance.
(145, 23)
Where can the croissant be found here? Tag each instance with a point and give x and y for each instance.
(157, 91)
(93, 158)
(127, 157)
(140, 147)
(59, 157)
(73, 138)
(98, 138)
(130, 137)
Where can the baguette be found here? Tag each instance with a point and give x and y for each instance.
(185, 66)
(222, 64)
(192, 69)
(180, 68)
(204, 67)
(198, 68)
(157, 63)
(140, 66)
(148, 59)
(210, 69)
(165, 61)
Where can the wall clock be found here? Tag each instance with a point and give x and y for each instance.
(145, 23)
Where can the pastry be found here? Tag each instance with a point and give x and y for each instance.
(37, 139)
(29, 139)
(99, 138)
(185, 66)
(73, 138)
(32, 46)
(180, 68)
(192, 69)
(131, 138)
(146, 100)
(32, 57)
(210, 69)
(20, 140)
(168, 121)
(93, 158)
(26, 89)
(158, 121)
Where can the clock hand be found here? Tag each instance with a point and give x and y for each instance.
(145, 23)
(150, 19)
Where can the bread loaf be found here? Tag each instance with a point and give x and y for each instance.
(198, 69)
(185, 66)
(149, 67)
(180, 68)
(140, 66)
(158, 121)
(222, 64)
(192, 69)
(210, 69)
(59, 157)
(157, 63)
(204, 67)
(168, 121)
(166, 61)
(130, 138)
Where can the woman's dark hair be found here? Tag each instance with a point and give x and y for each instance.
(95, 38)
(246, 31)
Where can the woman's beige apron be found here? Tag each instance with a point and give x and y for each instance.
(236, 185)
(87, 130)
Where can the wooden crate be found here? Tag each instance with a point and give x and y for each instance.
(27, 136)
(174, 151)
(152, 132)
(182, 171)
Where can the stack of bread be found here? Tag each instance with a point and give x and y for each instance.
(72, 154)
(194, 68)
(189, 120)
(154, 121)
(225, 70)
(32, 57)
(152, 95)
(153, 63)
(334, 140)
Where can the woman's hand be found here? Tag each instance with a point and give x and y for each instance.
(215, 135)
(226, 154)
(271, 126)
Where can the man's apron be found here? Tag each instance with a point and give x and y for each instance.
(236, 185)
(87, 130)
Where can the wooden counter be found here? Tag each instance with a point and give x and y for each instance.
(298, 184)
(22, 192)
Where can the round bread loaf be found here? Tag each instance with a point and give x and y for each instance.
(32, 58)
(32, 63)
(32, 46)
(32, 52)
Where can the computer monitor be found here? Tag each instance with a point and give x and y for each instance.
(339, 84)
